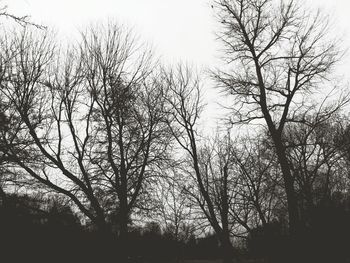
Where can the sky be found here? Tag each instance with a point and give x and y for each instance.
(178, 29)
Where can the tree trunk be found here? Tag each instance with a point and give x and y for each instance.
(226, 248)
(123, 228)
(289, 187)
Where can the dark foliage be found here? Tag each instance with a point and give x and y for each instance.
(34, 230)
(325, 239)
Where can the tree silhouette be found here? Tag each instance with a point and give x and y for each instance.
(280, 54)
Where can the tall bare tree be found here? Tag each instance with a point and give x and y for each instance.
(132, 136)
(277, 55)
(87, 123)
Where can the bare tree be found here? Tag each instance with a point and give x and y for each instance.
(258, 183)
(279, 55)
(133, 136)
(316, 162)
(175, 208)
(88, 123)
(31, 141)
(210, 173)
(23, 21)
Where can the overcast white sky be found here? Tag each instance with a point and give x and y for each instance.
(178, 29)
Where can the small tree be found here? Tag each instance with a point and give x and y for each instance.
(317, 161)
(209, 171)
(174, 207)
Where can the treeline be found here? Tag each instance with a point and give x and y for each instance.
(115, 135)
(44, 230)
